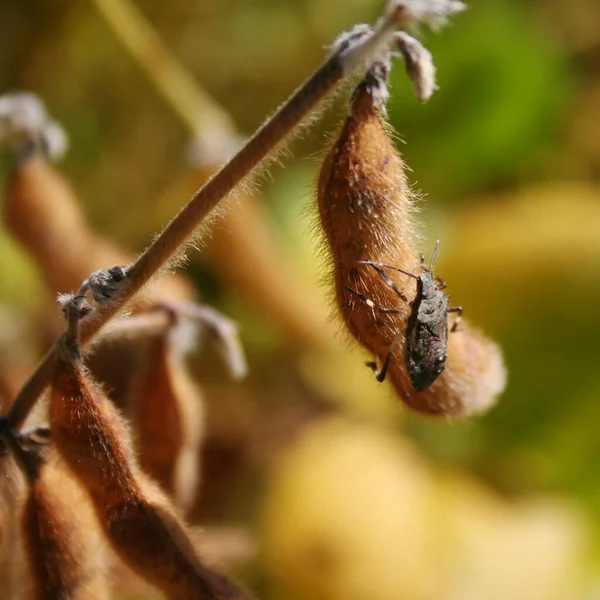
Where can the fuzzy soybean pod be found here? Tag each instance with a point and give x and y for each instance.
(63, 545)
(366, 212)
(42, 211)
(168, 416)
(138, 519)
(12, 495)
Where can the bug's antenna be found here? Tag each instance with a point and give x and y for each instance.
(437, 243)
(406, 273)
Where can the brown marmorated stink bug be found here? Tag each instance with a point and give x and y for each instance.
(426, 344)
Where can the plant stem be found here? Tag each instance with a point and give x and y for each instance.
(357, 52)
(193, 105)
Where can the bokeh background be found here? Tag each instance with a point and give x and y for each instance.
(346, 494)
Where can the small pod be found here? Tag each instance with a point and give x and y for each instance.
(366, 212)
(42, 211)
(12, 497)
(63, 546)
(136, 516)
(167, 411)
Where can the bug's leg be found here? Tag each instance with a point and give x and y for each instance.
(366, 300)
(459, 310)
(371, 304)
(379, 265)
(373, 366)
(380, 375)
(441, 283)
(386, 278)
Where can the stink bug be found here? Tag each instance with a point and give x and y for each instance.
(426, 333)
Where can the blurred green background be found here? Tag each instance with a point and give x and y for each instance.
(506, 154)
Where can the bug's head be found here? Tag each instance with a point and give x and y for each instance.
(426, 286)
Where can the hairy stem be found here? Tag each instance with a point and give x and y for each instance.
(356, 51)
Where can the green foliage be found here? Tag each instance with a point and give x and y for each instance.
(503, 81)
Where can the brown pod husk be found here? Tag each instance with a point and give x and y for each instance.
(63, 544)
(42, 211)
(245, 255)
(12, 494)
(365, 208)
(137, 517)
(167, 411)
(152, 540)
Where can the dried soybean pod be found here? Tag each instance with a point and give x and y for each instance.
(43, 212)
(365, 209)
(167, 410)
(137, 518)
(62, 542)
(245, 254)
(12, 496)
